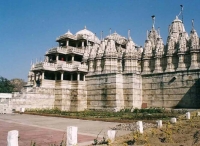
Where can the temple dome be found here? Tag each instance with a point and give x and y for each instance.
(68, 33)
(118, 38)
(87, 34)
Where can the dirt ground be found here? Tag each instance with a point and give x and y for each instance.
(183, 133)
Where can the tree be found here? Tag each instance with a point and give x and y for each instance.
(5, 85)
(18, 84)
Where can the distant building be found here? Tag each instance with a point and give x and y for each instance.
(113, 73)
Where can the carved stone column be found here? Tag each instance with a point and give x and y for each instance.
(62, 74)
(82, 44)
(98, 65)
(57, 57)
(72, 58)
(67, 42)
(42, 75)
(181, 64)
(78, 76)
(158, 68)
(91, 65)
(194, 63)
(170, 65)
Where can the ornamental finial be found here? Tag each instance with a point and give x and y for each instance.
(85, 27)
(192, 24)
(129, 34)
(181, 12)
(110, 31)
(153, 19)
(101, 35)
(159, 32)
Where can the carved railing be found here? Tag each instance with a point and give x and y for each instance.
(66, 50)
(44, 65)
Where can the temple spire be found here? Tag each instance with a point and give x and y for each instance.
(110, 31)
(153, 20)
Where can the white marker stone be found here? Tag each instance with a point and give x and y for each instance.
(159, 123)
(139, 126)
(198, 113)
(111, 135)
(188, 115)
(72, 135)
(22, 110)
(12, 138)
(173, 120)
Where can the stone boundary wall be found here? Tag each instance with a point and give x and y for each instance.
(175, 89)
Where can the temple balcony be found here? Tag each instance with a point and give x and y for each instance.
(73, 67)
(44, 66)
(66, 50)
(56, 67)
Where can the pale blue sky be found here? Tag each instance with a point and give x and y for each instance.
(28, 28)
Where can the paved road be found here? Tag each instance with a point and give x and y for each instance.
(51, 129)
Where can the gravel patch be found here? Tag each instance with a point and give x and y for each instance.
(133, 126)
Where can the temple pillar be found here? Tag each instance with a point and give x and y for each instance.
(72, 57)
(71, 78)
(83, 77)
(67, 42)
(62, 75)
(194, 63)
(82, 45)
(57, 57)
(42, 75)
(78, 76)
(170, 65)
(181, 64)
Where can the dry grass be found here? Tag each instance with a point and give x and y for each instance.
(183, 133)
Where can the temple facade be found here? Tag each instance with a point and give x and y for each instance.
(113, 73)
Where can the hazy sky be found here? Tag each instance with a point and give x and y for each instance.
(28, 28)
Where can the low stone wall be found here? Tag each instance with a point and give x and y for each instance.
(68, 95)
